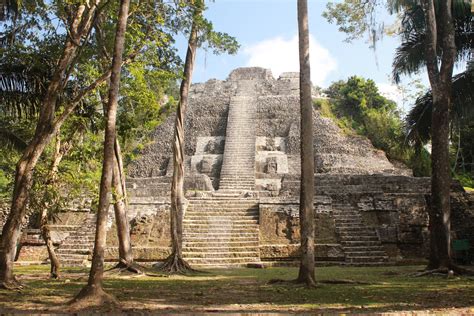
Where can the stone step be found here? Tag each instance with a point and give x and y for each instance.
(348, 221)
(350, 225)
(220, 215)
(73, 256)
(371, 253)
(222, 239)
(222, 255)
(230, 201)
(219, 234)
(242, 187)
(361, 232)
(221, 261)
(358, 238)
(215, 213)
(222, 208)
(366, 259)
(223, 221)
(220, 226)
(348, 214)
(362, 248)
(215, 243)
(229, 182)
(83, 237)
(219, 229)
(68, 245)
(350, 243)
(216, 219)
(234, 177)
(223, 248)
(83, 251)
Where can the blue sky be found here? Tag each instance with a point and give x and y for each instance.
(267, 32)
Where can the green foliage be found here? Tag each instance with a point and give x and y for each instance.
(350, 16)
(30, 48)
(357, 106)
(466, 180)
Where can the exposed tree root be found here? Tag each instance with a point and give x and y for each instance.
(12, 284)
(123, 267)
(448, 271)
(93, 297)
(174, 265)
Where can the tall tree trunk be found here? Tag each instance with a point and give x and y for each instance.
(125, 260)
(306, 272)
(46, 234)
(175, 262)
(93, 293)
(46, 128)
(123, 227)
(440, 22)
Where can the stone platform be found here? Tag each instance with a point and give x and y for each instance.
(242, 182)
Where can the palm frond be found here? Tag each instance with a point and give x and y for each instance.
(409, 56)
(418, 120)
(9, 137)
(21, 88)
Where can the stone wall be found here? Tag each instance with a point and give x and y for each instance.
(280, 230)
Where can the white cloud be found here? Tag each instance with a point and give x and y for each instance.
(391, 92)
(281, 55)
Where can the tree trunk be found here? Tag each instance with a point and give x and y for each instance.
(93, 293)
(306, 272)
(123, 228)
(61, 149)
(46, 234)
(125, 260)
(440, 75)
(46, 128)
(175, 263)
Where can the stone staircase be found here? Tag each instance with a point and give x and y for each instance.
(238, 166)
(361, 244)
(221, 232)
(77, 248)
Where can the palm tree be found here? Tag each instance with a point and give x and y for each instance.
(306, 272)
(429, 29)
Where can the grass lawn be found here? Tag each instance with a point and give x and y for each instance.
(249, 290)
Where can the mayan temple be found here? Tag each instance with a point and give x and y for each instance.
(242, 185)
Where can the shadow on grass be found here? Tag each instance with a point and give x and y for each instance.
(248, 290)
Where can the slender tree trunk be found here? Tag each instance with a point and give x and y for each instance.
(93, 293)
(306, 272)
(175, 262)
(46, 234)
(123, 228)
(440, 22)
(46, 128)
(125, 260)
